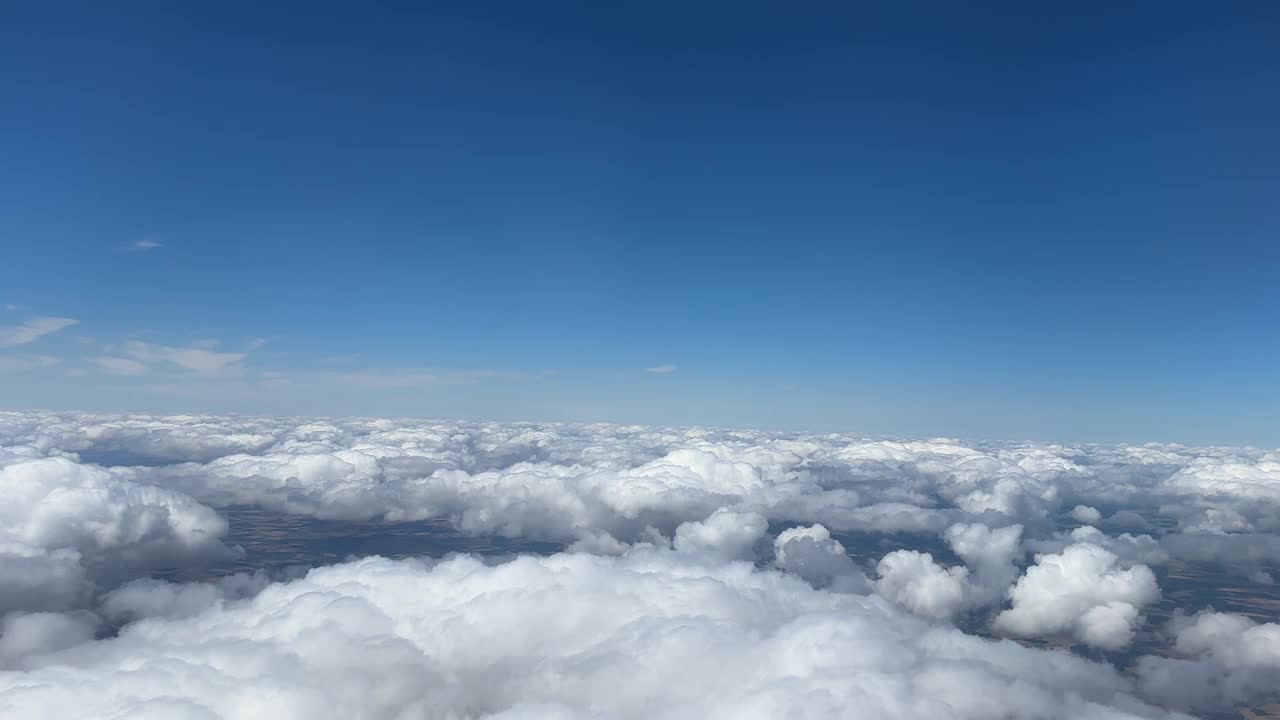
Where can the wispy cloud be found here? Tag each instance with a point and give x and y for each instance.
(32, 330)
(142, 245)
(10, 363)
(665, 369)
(196, 359)
(381, 379)
(119, 365)
(423, 377)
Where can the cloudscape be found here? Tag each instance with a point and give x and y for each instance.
(569, 361)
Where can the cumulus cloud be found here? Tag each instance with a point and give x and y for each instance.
(751, 544)
(648, 634)
(26, 635)
(811, 553)
(1130, 549)
(1226, 660)
(1082, 591)
(725, 533)
(566, 483)
(913, 580)
(1085, 514)
(152, 598)
(65, 526)
(32, 330)
(992, 556)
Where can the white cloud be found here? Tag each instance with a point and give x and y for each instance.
(811, 553)
(1085, 514)
(664, 369)
(1082, 591)
(680, 510)
(650, 634)
(23, 635)
(119, 365)
(142, 245)
(1226, 661)
(64, 525)
(27, 362)
(913, 580)
(196, 359)
(992, 556)
(32, 330)
(726, 534)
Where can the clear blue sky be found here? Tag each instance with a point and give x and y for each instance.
(992, 219)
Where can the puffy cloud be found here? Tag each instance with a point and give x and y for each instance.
(1085, 514)
(992, 555)
(725, 533)
(1082, 591)
(648, 634)
(148, 597)
(32, 330)
(1228, 660)
(569, 482)
(1130, 549)
(811, 553)
(913, 580)
(99, 502)
(64, 525)
(24, 635)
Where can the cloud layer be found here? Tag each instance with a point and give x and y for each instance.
(649, 634)
(712, 572)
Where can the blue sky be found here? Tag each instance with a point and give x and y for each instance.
(1005, 219)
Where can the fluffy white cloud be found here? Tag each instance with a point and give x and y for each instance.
(1227, 660)
(25, 635)
(1086, 515)
(992, 556)
(64, 525)
(725, 533)
(147, 597)
(1130, 549)
(1082, 591)
(913, 580)
(811, 553)
(94, 503)
(567, 482)
(649, 634)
